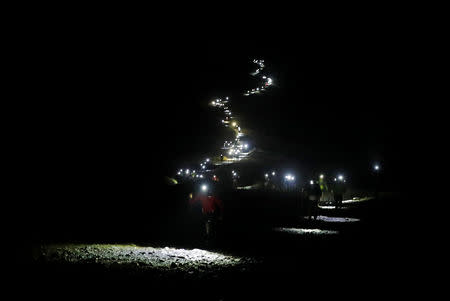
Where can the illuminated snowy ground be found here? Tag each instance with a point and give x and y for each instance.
(357, 200)
(143, 258)
(303, 231)
(330, 203)
(332, 219)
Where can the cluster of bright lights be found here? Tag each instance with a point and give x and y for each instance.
(289, 177)
(234, 151)
(273, 173)
(234, 174)
(340, 178)
(218, 103)
(227, 111)
(227, 144)
(187, 173)
(260, 63)
(268, 82)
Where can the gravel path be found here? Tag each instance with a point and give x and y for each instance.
(136, 258)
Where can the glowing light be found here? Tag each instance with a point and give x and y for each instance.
(187, 171)
(377, 167)
(266, 175)
(311, 182)
(204, 187)
(273, 173)
(289, 177)
(207, 159)
(341, 177)
(321, 176)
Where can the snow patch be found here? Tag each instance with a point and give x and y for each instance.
(304, 231)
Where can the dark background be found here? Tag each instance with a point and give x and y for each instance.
(108, 115)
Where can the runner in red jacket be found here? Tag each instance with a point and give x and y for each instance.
(211, 204)
(212, 208)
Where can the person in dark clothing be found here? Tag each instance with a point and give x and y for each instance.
(314, 193)
(338, 192)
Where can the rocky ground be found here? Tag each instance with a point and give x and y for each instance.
(254, 262)
(141, 259)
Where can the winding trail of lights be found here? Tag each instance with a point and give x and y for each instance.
(235, 150)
